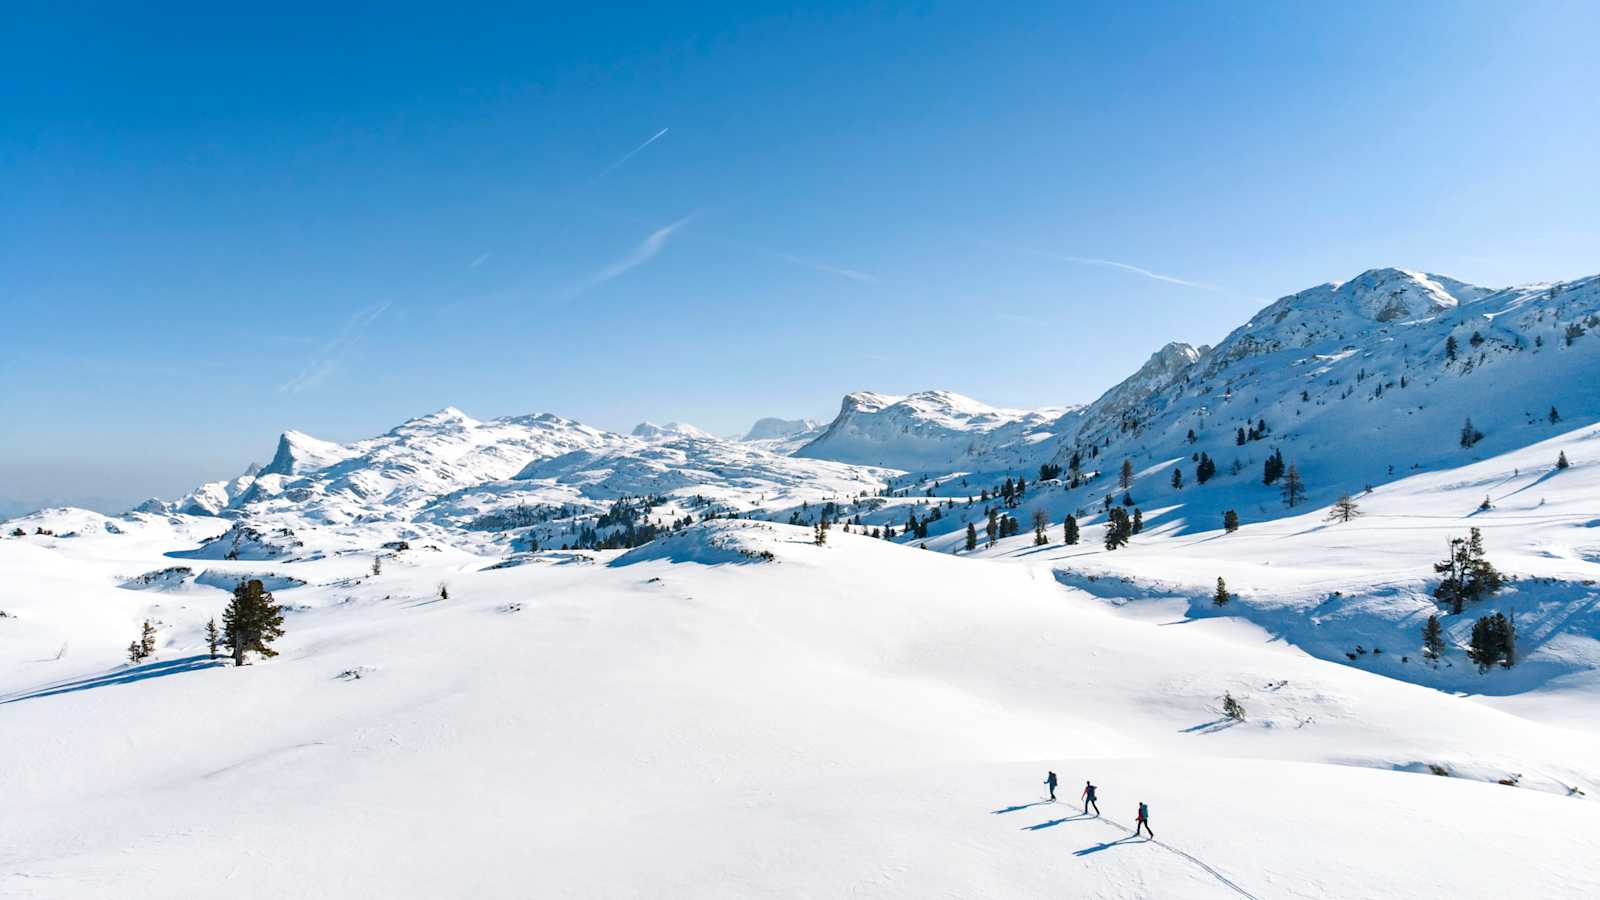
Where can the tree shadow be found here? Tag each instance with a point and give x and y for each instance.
(119, 676)
(1211, 727)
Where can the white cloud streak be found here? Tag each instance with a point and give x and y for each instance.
(479, 261)
(851, 274)
(647, 250)
(1138, 270)
(1113, 264)
(331, 354)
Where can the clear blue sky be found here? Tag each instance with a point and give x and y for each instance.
(216, 226)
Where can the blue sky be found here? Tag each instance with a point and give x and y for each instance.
(216, 226)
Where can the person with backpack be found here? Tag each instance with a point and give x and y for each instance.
(1143, 821)
(1050, 782)
(1088, 798)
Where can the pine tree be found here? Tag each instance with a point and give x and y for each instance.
(1041, 521)
(819, 535)
(1561, 461)
(972, 537)
(377, 565)
(1344, 509)
(1453, 568)
(1239, 437)
(213, 638)
(1069, 530)
(1206, 469)
(1125, 480)
(1272, 469)
(135, 652)
(1230, 521)
(1450, 347)
(1483, 578)
(1138, 520)
(1232, 708)
(444, 589)
(1432, 638)
(1221, 597)
(1468, 575)
(1469, 434)
(147, 640)
(1118, 528)
(1554, 416)
(1294, 490)
(1493, 642)
(1177, 478)
(252, 621)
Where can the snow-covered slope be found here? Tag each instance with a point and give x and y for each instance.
(715, 714)
(927, 430)
(1341, 371)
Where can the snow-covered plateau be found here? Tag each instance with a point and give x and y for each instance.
(525, 657)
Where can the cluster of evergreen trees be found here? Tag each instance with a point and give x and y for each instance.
(1467, 574)
(1011, 492)
(1273, 468)
(1493, 642)
(1000, 526)
(145, 647)
(1118, 528)
(1255, 433)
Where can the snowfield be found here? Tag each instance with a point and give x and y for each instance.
(528, 657)
(734, 711)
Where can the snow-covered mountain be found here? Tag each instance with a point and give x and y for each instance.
(1352, 382)
(650, 431)
(928, 430)
(1358, 383)
(772, 428)
(393, 475)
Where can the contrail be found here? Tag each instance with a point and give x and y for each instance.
(630, 155)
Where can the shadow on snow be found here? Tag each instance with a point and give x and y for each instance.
(119, 676)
